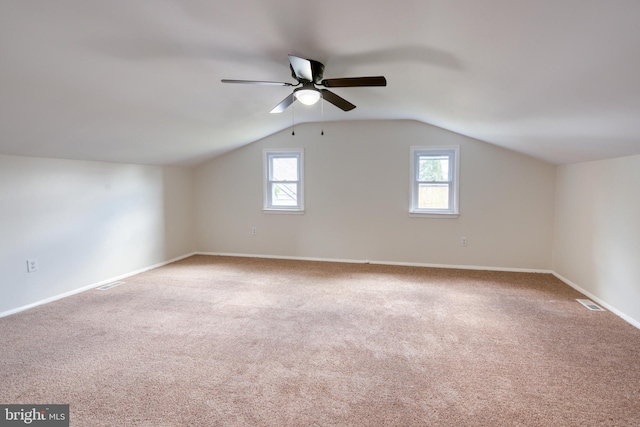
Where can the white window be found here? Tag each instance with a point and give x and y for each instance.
(283, 184)
(434, 181)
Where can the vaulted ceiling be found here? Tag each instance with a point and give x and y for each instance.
(139, 81)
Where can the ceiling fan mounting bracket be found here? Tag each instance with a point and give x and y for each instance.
(317, 71)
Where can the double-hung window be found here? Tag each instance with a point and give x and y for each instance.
(283, 180)
(434, 181)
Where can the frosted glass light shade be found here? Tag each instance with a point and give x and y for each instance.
(308, 96)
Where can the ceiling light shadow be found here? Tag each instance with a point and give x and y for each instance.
(407, 54)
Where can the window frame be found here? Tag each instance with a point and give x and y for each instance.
(453, 152)
(268, 154)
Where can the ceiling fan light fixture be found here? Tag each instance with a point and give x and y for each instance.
(308, 96)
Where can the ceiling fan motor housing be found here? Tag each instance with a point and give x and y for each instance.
(317, 70)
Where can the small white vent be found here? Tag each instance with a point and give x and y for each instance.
(109, 286)
(590, 304)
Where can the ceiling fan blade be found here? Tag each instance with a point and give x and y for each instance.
(284, 104)
(355, 82)
(336, 100)
(301, 67)
(258, 82)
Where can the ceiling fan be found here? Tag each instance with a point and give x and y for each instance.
(309, 73)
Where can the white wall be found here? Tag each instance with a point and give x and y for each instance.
(357, 201)
(597, 231)
(86, 222)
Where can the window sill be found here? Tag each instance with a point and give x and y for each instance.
(284, 211)
(447, 215)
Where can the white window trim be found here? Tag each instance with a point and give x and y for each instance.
(452, 213)
(299, 209)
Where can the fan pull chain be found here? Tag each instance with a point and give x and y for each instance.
(293, 120)
(322, 110)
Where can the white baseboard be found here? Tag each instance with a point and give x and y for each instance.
(461, 267)
(612, 309)
(89, 287)
(360, 261)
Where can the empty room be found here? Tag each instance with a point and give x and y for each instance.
(338, 213)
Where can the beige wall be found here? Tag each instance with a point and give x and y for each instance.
(357, 201)
(86, 222)
(597, 231)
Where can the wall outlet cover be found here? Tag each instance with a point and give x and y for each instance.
(32, 265)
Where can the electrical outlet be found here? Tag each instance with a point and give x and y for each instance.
(254, 230)
(463, 241)
(32, 265)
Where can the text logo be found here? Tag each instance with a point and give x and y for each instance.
(34, 415)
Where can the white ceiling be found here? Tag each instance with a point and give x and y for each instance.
(139, 81)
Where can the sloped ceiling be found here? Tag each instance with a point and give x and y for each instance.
(139, 81)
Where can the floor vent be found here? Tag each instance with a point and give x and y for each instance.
(590, 305)
(109, 286)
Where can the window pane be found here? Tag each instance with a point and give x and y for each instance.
(284, 194)
(284, 168)
(433, 168)
(433, 196)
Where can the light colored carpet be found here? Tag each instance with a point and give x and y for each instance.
(219, 341)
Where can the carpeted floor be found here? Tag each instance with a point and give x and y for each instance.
(220, 341)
